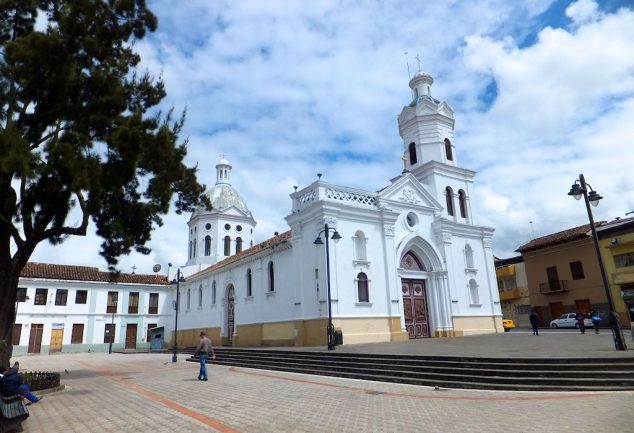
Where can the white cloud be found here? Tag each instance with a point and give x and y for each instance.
(290, 89)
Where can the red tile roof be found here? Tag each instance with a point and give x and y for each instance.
(85, 273)
(275, 240)
(558, 238)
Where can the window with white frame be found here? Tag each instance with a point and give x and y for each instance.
(189, 298)
(200, 296)
(207, 245)
(271, 271)
(363, 293)
(249, 282)
(473, 292)
(468, 253)
(360, 250)
(213, 293)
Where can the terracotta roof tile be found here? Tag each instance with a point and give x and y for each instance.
(558, 238)
(85, 273)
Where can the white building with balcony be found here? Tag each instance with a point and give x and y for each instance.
(411, 261)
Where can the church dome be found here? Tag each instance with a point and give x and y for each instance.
(223, 196)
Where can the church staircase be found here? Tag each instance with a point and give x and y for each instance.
(510, 374)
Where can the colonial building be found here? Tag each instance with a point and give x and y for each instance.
(76, 309)
(410, 261)
(513, 287)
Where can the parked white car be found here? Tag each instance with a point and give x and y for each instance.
(568, 320)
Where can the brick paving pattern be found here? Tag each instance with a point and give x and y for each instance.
(148, 393)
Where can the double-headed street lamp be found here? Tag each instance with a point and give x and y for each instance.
(179, 278)
(330, 329)
(591, 197)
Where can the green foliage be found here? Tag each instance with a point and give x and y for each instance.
(76, 131)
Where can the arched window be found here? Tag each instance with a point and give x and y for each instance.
(200, 296)
(473, 292)
(412, 154)
(190, 249)
(449, 196)
(238, 245)
(271, 277)
(468, 253)
(213, 293)
(194, 248)
(227, 245)
(189, 298)
(412, 263)
(360, 246)
(462, 201)
(362, 287)
(448, 150)
(249, 282)
(207, 245)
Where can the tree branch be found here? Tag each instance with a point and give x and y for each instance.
(79, 231)
(27, 219)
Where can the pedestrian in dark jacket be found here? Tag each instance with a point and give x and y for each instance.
(12, 384)
(594, 316)
(581, 321)
(534, 318)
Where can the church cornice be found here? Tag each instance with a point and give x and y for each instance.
(436, 167)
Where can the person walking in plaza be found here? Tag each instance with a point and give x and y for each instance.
(11, 383)
(594, 316)
(534, 318)
(203, 351)
(581, 321)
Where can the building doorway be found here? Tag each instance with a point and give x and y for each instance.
(415, 308)
(57, 335)
(230, 314)
(556, 309)
(130, 336)
(35, 339)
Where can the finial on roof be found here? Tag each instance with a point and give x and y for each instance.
(418, 60)
(133, 268)
(319, 176)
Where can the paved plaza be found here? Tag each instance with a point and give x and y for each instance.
(148, 393)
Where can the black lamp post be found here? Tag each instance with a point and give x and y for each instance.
(591, 197)
(179, 278)
(330, 329)
(114, 301)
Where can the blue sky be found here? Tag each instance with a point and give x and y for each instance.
(542, 90)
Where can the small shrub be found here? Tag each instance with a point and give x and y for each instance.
(38, 380)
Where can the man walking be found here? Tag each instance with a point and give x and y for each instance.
(203, 350)
(534, 318)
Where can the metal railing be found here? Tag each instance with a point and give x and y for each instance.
(553, 286)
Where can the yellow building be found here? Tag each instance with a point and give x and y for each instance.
(616, 240)
(513, 290)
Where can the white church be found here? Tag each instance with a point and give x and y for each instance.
(410, 261)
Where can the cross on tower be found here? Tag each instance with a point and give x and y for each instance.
(133, 268)
(418, 60)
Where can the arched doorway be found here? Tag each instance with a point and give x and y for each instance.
(230, 314)
(414, 299)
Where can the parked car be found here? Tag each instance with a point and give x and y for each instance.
(569, 320)
(508, 324)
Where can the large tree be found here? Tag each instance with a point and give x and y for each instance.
(80, 134)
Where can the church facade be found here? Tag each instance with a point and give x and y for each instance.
(405, 262)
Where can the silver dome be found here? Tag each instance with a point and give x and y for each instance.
(222, 196)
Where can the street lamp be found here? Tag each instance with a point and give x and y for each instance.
(178, 279)
(579, 189)
(112, 332)
(330, 329)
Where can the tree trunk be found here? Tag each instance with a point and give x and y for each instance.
(8, 293)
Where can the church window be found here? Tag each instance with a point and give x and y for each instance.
(449, 196)
(271, 277)
(194, 248)
(189, 298)
(249, 282)
(208, 226)
(362, 287)
(473, 292)
(238, 245)
(190, 249)
(227, 245)
(411, 219)
(227, 226)
(468, 252)
(360, 246)
(411, 262)
(207, 245)
(213, 293)
(462, 201)
(238, 228)
(200, 296)
(412, 154)
(448, 150)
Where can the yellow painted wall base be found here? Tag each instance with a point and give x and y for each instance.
(309, 333)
